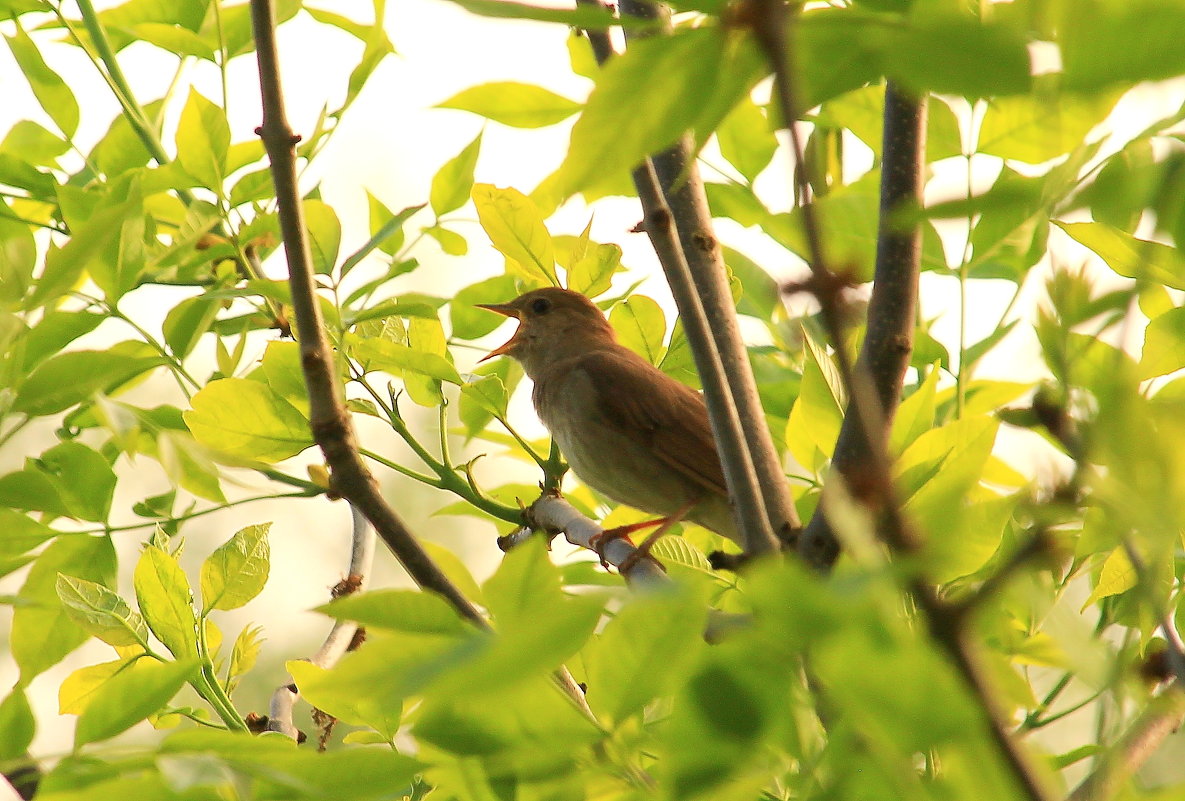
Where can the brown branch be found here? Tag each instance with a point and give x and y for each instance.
(874, 382)
(330, 422)
(1163, 716)
(680, 229)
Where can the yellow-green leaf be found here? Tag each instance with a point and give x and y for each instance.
(515, 227)
(248, 419)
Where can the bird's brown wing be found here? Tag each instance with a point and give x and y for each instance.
(666, 415)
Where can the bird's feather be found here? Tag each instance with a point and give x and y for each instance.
(667, 416)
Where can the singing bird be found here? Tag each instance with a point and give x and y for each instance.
(627, 429)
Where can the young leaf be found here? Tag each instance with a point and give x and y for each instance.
(237, 571)
(641, 326)
(17, 726)
(80, 687)
(453, 182)
(51, 91)
(400, 610)
(100, 612)
(470, 322)
(518, 105)
(325, 234)
(203, 140)
(42, 631)
(516, 229)
(243, 654)
(248, 419)
(166, 601)
(130, 697)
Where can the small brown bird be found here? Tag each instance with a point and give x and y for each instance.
(627, 429)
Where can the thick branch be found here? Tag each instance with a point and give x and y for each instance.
(680, 228)
(888, 342)
(330, 423)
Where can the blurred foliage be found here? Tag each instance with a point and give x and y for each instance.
(434, 706)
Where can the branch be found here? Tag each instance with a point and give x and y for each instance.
(551, 513)
(888, 341)
(340, 636)
(683, 239)
(874, 382)
(328, 418)
(1163, 716)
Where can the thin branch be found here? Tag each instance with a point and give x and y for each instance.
(330, 422)
(1163, 716)
(337, 643)
(679, 241)
(678, 175)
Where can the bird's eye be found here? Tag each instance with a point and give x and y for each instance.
(541, 306)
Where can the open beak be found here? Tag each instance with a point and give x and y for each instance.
(506, 310)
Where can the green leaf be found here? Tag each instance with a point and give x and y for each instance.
(647, 98)
(21, 532)
(166, 601)
(592, 273)
(54, 331)
(51, 91)
(818, 412)
(524, 584)
(516, 229)
(281, 366)
(944, 464)
(17, 726)
(453, 182)
(760, 297)
(82, 478)
(325, 235)
(399, 610)
(1164, 344)
(965, 537)
(1103, 44)
(90, 242)
(650, 643)
(1129, 256)
(42, 631)
(237, 571)
(470, 322)
(487, 396)
(1033, 129)
(641, 326)
(862, 112)
(186, 323)
(32, 143)
(393, 358)
(746, 139)
(244, 653)
(1117, 576)
(586, 17)
(130, 697)
(916, 414)
(70, 378)
(450, 241)
(100, 612)
(174, 39)
(959, 55)
(518, 105)
(203, 140)
(248, 419)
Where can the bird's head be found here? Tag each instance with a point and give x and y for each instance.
(553, 323)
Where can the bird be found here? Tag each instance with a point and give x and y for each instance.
(627, 429)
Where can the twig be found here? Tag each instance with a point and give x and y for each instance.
(1163, 716)
(340, 636)
(328, 418)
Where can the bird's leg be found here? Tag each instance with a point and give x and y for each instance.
(598, 541)
(643, 550)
